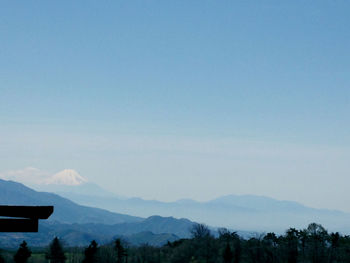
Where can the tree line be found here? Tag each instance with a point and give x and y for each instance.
(311, 245)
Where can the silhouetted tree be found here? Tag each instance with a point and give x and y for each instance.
(232, 238)
(180, 251)
(56, 253)
(317, 237)
(204, 243)
(120, 250)
(270, 247)
(106, 254)
(344, 249)
(292, 241)
(224, 234)
(303, 237)
(199, 231)
(255, 251)
(91, 253)
(334, 239)
(22, 254)
(310, 245)
(227, 255)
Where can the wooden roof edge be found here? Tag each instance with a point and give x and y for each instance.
(31, 212)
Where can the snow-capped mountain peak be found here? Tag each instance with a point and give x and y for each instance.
(66, 177)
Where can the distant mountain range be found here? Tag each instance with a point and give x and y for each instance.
(78, 224)
(133, 220)
(66, 211)
(237, 212)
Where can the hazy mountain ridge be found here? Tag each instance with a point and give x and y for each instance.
(78, 225)
(264, 203)
(66, 211)
(87, 188)
(238, 212)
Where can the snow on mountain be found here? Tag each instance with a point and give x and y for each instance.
(67, 182)
(66, 177)
(34, 177)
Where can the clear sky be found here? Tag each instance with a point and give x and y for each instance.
(181, 99)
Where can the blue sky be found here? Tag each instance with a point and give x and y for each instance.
(194, 83)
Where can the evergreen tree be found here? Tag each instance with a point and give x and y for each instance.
(121, 252)
(334, 240)
(302, 239)
(291, 239)
(317, 237)
(270, 245)
(22, 254)
(228, 255)
(91, 253)
(55, 253)
(237, 247)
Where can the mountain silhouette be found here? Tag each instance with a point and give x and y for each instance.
(77, 225)
(66, 211)
(238, 212)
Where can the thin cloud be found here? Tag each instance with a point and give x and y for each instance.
(29, 175)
